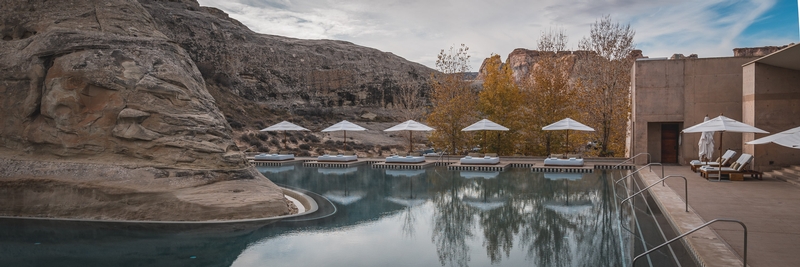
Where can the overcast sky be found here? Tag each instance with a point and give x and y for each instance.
(418, 29)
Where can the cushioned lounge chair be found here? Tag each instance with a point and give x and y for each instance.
(724, 160)
(283, 155)
(480, 160)
(740, 166)
(337, 158)
(563, 162)
(406, 159)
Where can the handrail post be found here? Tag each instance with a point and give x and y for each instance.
(744, 264)
(645, 153)
(634, 172)
(685, 187)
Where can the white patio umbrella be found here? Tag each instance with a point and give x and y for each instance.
(484, 203)
(484, 125)
(722, 124)
(483, 175)
(789, 138)
(344, 126)
(410, 126)
(284, 126)
(706, 144)
(568, 124)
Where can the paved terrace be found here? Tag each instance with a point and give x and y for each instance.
(770, 208)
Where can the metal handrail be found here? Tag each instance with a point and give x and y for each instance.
(629, 159)
(694, 230)
(685, 187)
(637, 170)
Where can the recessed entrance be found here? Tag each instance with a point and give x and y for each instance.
(669, 143)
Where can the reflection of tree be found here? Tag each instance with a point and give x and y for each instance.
(500, 226)
(408, 222)
(596, 238)
(452, 226)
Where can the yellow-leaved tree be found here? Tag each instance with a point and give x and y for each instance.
(549, 95)
(604, 73)
(452, 101)
(500, 101)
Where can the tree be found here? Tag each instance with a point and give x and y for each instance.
(452, 99)
(500, 101)
(548, 92)
(604, 81)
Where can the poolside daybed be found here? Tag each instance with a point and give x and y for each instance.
(337, 158)
(480, 160)
(726, 158)
(274, 157)
(554, 161)
(406, 159)
(740, 166)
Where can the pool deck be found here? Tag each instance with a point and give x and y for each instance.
(770, 208)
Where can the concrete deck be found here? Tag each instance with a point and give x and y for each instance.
(770, 208)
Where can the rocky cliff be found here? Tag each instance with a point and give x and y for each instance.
(98, 102)
(255, 76)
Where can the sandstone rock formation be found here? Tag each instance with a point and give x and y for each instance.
(95, 95)
(253, 76)
(522, 61)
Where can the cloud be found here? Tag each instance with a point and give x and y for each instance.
(418, 29)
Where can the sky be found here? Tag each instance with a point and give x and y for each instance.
(418, 30)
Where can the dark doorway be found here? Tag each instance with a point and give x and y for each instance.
(669, 143)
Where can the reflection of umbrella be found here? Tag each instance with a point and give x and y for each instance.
(344, 126)
(344, 197)
(706, 144)
(722, 124)
(483, 203)
(406, 202)
(485, 125)
(484, 175)
(410, 126)
(337, 170)
(567, 207)
(406, 173)
(284, 126)
(567, 124)
(789, 138)
(276, 169)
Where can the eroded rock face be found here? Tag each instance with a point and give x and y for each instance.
(97, 82)
(283, 72)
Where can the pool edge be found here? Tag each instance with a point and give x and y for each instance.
(707, 247)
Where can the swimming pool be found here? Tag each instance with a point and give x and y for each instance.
(430, 217)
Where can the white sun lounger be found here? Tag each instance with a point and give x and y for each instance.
(477, 160)
(337, 158)
(273, 157)
(406, 159)
(725, 159)
(563, 162)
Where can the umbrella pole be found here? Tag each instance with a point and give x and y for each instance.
(345, 140)
(719, 173)
(284, 140)
(483, 149)
(567, 142)
(410, 138)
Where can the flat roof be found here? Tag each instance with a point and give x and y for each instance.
(788, 58)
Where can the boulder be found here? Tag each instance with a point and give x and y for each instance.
(97, 86)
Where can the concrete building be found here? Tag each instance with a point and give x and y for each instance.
(669, 95)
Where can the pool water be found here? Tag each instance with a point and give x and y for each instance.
(430, 217)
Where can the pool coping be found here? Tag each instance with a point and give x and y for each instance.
(707, 247)
(308, 202)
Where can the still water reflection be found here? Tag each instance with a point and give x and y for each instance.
(430, 217)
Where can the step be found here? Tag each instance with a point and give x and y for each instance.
(778, 177)
(792, 171)
(787, 174)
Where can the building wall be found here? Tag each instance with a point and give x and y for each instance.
(771, 102)
(684, 91)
